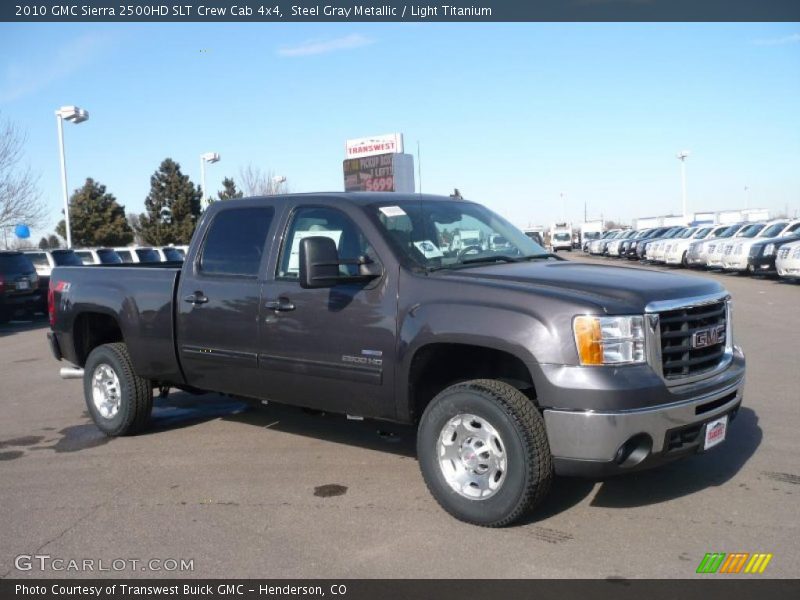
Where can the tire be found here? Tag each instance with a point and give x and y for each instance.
(684, 263)
(135, 395)
(527, 469)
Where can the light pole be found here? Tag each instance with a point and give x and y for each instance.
(746, 197)
(75, 115)
(208, 157)
(681, 156)
(276, 183)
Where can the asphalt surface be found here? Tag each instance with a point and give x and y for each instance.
(280, 492)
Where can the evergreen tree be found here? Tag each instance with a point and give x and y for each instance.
(44, 244)
(96, 218)
(53, 241)
(173, 206)
(229, 191)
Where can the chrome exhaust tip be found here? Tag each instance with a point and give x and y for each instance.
(71, 373)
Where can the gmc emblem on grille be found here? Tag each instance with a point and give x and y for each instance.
(708, 337)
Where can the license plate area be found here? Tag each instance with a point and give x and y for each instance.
(715, 432)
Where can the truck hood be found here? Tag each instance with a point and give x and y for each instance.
(614, 289)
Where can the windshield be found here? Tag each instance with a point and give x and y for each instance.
(703, 233)
(66, 258)
(774, 230)
(109, 257)
(436, 235)
(685, 234)
(750, 231)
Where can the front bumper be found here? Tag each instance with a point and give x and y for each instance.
(596, 442)
(735, 262)
(761, 264)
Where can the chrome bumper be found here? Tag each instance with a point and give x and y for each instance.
(597, 436)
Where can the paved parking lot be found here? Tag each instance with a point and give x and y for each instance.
(279, 492)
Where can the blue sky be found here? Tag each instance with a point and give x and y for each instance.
(511, 114)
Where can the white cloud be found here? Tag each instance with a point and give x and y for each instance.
(26, 77)
(311, 47)
(780, 41)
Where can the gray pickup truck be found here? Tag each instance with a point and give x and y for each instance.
(514, 364)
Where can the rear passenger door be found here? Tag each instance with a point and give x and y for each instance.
(218, 302)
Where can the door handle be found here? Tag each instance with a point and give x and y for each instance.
(279, 305)
(196, 298)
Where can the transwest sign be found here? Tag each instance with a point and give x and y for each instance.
(389, 143)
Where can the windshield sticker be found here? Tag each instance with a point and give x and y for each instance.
(392, 211)
(429, 249)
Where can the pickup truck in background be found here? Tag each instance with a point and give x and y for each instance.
(513, 363)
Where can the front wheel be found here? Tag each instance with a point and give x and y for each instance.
(483, 452)
(119, 401)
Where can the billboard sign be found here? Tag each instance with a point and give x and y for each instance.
(374, 145)
(380, 173)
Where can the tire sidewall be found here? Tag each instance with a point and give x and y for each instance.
(118, 423)
(480, 403)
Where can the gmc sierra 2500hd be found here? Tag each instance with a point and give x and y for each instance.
(514, 363)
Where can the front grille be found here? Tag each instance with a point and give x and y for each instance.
(679, 358)
(728, 250)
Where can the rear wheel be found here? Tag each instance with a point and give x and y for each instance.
(483, 452)
(684, 262)
(119, 401)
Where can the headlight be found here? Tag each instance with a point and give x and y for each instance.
(769, 250)
(609, 340)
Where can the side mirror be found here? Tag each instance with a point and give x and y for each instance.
(319, 262)
(319, 265)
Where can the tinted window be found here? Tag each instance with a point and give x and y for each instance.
(109, 257)
(125, 255)
(15, 263)
(66, 258)
(235, 241)
(172, 254)
(147, 255)
(327, 222)
(85, 256)
(774, 230)
(39, 259)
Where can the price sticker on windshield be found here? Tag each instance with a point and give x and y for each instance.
(392, 211)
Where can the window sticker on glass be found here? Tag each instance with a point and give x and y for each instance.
(429, 249)
(392, 211)
(294, 257)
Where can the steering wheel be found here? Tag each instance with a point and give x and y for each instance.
(469, 251)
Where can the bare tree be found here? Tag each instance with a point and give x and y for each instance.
(20, 201)
(255, 182)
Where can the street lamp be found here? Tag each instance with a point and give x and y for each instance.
(208, 157)
(276, 183)
(74, 115)
(681, 156)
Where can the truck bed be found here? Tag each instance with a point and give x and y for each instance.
(139, 296)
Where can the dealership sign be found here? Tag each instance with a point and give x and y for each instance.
(382, 173)
(374, 145)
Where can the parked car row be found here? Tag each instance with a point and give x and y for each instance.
(771, 247)
(25, 276)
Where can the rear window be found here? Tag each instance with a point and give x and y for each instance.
(15, 263)
(85, 256)
(39, 259)
(235, 241)
(172, 254)
(66, 258)
(147, 255)
(109, 257)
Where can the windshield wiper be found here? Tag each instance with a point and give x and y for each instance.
(545, 255)
(493, 258)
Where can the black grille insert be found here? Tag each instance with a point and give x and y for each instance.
(679, 356)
